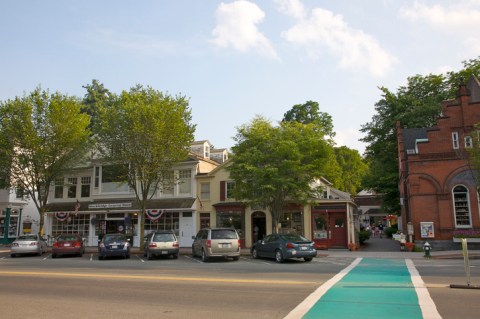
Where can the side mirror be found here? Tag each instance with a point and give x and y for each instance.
(193, 237)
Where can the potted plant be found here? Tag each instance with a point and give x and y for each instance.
(409, 246)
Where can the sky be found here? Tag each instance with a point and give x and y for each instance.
(235, 60)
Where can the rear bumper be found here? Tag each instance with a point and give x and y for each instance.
(67, 250)
(163, 251)
(25, 250)
(113, 252)
(300, 253)
(223, 254)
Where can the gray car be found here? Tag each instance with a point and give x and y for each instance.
(28, 244)
(216, 242)
(284, 246)
(161, 243)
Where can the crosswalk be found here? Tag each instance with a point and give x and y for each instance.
(370, 288)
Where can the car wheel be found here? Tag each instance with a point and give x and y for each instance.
(278, 256)
(100, 257)
(13, 255)
(175, 256)
(193, 252)
(149, 256)
(254, 253)
(54, 255)
(307, 259)
(80, 254)
(204, 256)
(127, 256)
(236, 258)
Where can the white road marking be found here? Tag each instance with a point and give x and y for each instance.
(308, 303)
(429, 310)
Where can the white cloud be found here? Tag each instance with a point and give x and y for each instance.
(461, 15)
(237, 27)
(355, 49)
(292, 8)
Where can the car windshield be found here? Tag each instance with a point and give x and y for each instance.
(114, 238)
(163, 237)
(293, 238)
(224, 234)
(67, 238)
(27, 237)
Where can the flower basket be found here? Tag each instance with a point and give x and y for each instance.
(409, 246)
(472, 236)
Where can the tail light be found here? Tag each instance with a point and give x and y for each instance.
(175, 244)
(290, 245)
(33, 244)
(78, 244)
(152, 245)
(55, 244)
(14, 244)
(209, 243)
(102, 245)
(239, 245)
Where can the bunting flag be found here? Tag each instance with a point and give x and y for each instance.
(154, 214)
(61, 216)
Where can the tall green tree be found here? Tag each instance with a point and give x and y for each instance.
(96, 96)
(309, 113)
(42, 135)
(353, 169)
(150, 132)
(276, 165)
(417, 104)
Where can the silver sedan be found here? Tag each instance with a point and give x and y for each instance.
(28, 244)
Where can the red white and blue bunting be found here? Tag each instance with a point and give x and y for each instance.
(62, 216)
(154, 214)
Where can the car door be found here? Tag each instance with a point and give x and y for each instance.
(264, 247)
(197, 243)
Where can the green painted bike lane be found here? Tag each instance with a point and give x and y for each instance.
(374, 288)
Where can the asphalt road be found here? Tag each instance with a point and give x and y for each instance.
(73, 287)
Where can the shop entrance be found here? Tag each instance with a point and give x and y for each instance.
(259, 226)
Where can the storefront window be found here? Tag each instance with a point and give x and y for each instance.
(319, 228)
(168, 221)
(204, 220)
(71, 224)
(232, 219)
(292, 222)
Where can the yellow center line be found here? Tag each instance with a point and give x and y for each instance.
(171, 278)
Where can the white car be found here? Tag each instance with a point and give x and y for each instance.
(28, 244)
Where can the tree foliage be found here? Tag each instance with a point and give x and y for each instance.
(353, 169)
(275, 165)
(151, 132)
(96, 96)
(42, 135)
(417, 104)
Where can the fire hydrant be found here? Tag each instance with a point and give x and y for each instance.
(427, 247)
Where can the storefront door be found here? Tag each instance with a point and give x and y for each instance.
(186, 229)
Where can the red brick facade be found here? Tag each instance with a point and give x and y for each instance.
(436, 183)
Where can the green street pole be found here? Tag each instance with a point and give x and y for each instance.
(19, 222)
(7, 225)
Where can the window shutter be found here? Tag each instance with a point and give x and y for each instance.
(222, 190)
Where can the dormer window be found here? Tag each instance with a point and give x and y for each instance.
(207, 151)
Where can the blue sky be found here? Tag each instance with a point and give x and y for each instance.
(237, 59)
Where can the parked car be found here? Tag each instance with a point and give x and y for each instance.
(68, 244)
(114, 245)
(284, 246)
(28, 244)
(217, 242)
(161, 243)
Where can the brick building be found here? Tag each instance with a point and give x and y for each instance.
(438, 192)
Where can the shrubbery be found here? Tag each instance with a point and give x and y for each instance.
(363, 235)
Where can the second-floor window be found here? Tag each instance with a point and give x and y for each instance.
(204, 191)
(185, 181)
(468, 142)
(114, 178)
(85, 190)
(72, 187)
(455, 140)
(58, 193)
(229, 189)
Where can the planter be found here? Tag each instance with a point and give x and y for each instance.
(469, 240)
(409, 246)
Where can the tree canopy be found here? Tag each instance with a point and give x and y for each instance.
(274, 165)
(151, 132)
(416, 104)
(42, 135)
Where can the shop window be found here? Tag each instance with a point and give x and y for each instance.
(461, 206)
(204, 220)
(292, 223)
(320, 228)
(231, 219)
(168, 221)
(74, 223)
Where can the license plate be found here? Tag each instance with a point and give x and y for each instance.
(114, 246)
(303, 248)
(66, 245)
(164, 252)
(224, 245)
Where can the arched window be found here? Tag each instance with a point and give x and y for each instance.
(461, 206)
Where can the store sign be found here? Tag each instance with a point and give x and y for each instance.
(109, 205)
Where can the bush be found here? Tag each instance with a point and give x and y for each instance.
(363, 235)
(390, 231)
